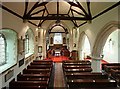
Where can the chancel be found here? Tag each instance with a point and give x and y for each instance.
(47, 44)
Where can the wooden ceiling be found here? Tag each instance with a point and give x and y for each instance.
(74, 13)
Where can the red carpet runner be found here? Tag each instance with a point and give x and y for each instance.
(58, 58)
(61, 58)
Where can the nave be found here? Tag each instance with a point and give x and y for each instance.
(59, 44)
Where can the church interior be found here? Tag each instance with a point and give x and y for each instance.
(67, 44)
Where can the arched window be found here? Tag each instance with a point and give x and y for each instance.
(2, 49)
(8, 49)
(26, 43)
(29, 43)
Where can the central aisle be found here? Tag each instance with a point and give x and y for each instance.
(59, 76)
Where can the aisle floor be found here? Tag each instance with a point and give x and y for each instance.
(59, 81)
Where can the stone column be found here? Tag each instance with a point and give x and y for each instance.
(96, 64)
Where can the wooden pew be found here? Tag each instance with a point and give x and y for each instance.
(78, 70)
(108, 68)
(91, 83)
(28, 84)
(109, 64)
(39, 67)
(74, 61)
(36, 71)
(76, 66)
(115, 74)
(87, 75)
(42, 61)
(35, 75)
(29, 78)
(77, 63)
(39, 63)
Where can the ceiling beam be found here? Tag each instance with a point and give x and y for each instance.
(88, 6)
(26, 6)
(57, 7)
(41, 22)
(82, 24)
(10, 11)
(77, 12)
(106, 10)
(46, 9)
(56, 17)
(82, 8)
(57, 32)
(14, 13)
(77, 5)
(35, 6)
(32, 23)
(74, 21)
(38, 11)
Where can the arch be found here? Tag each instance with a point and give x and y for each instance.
(61, 24)
(11, 30)
(11, 37)
(29, 42)
(111, 47)
(53, 23)
(80, 43)
(102, 37)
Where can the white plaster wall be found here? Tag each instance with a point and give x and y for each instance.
(98, 23)
(111, 54)
(92, 31)
(15, 23)
(11, 21)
